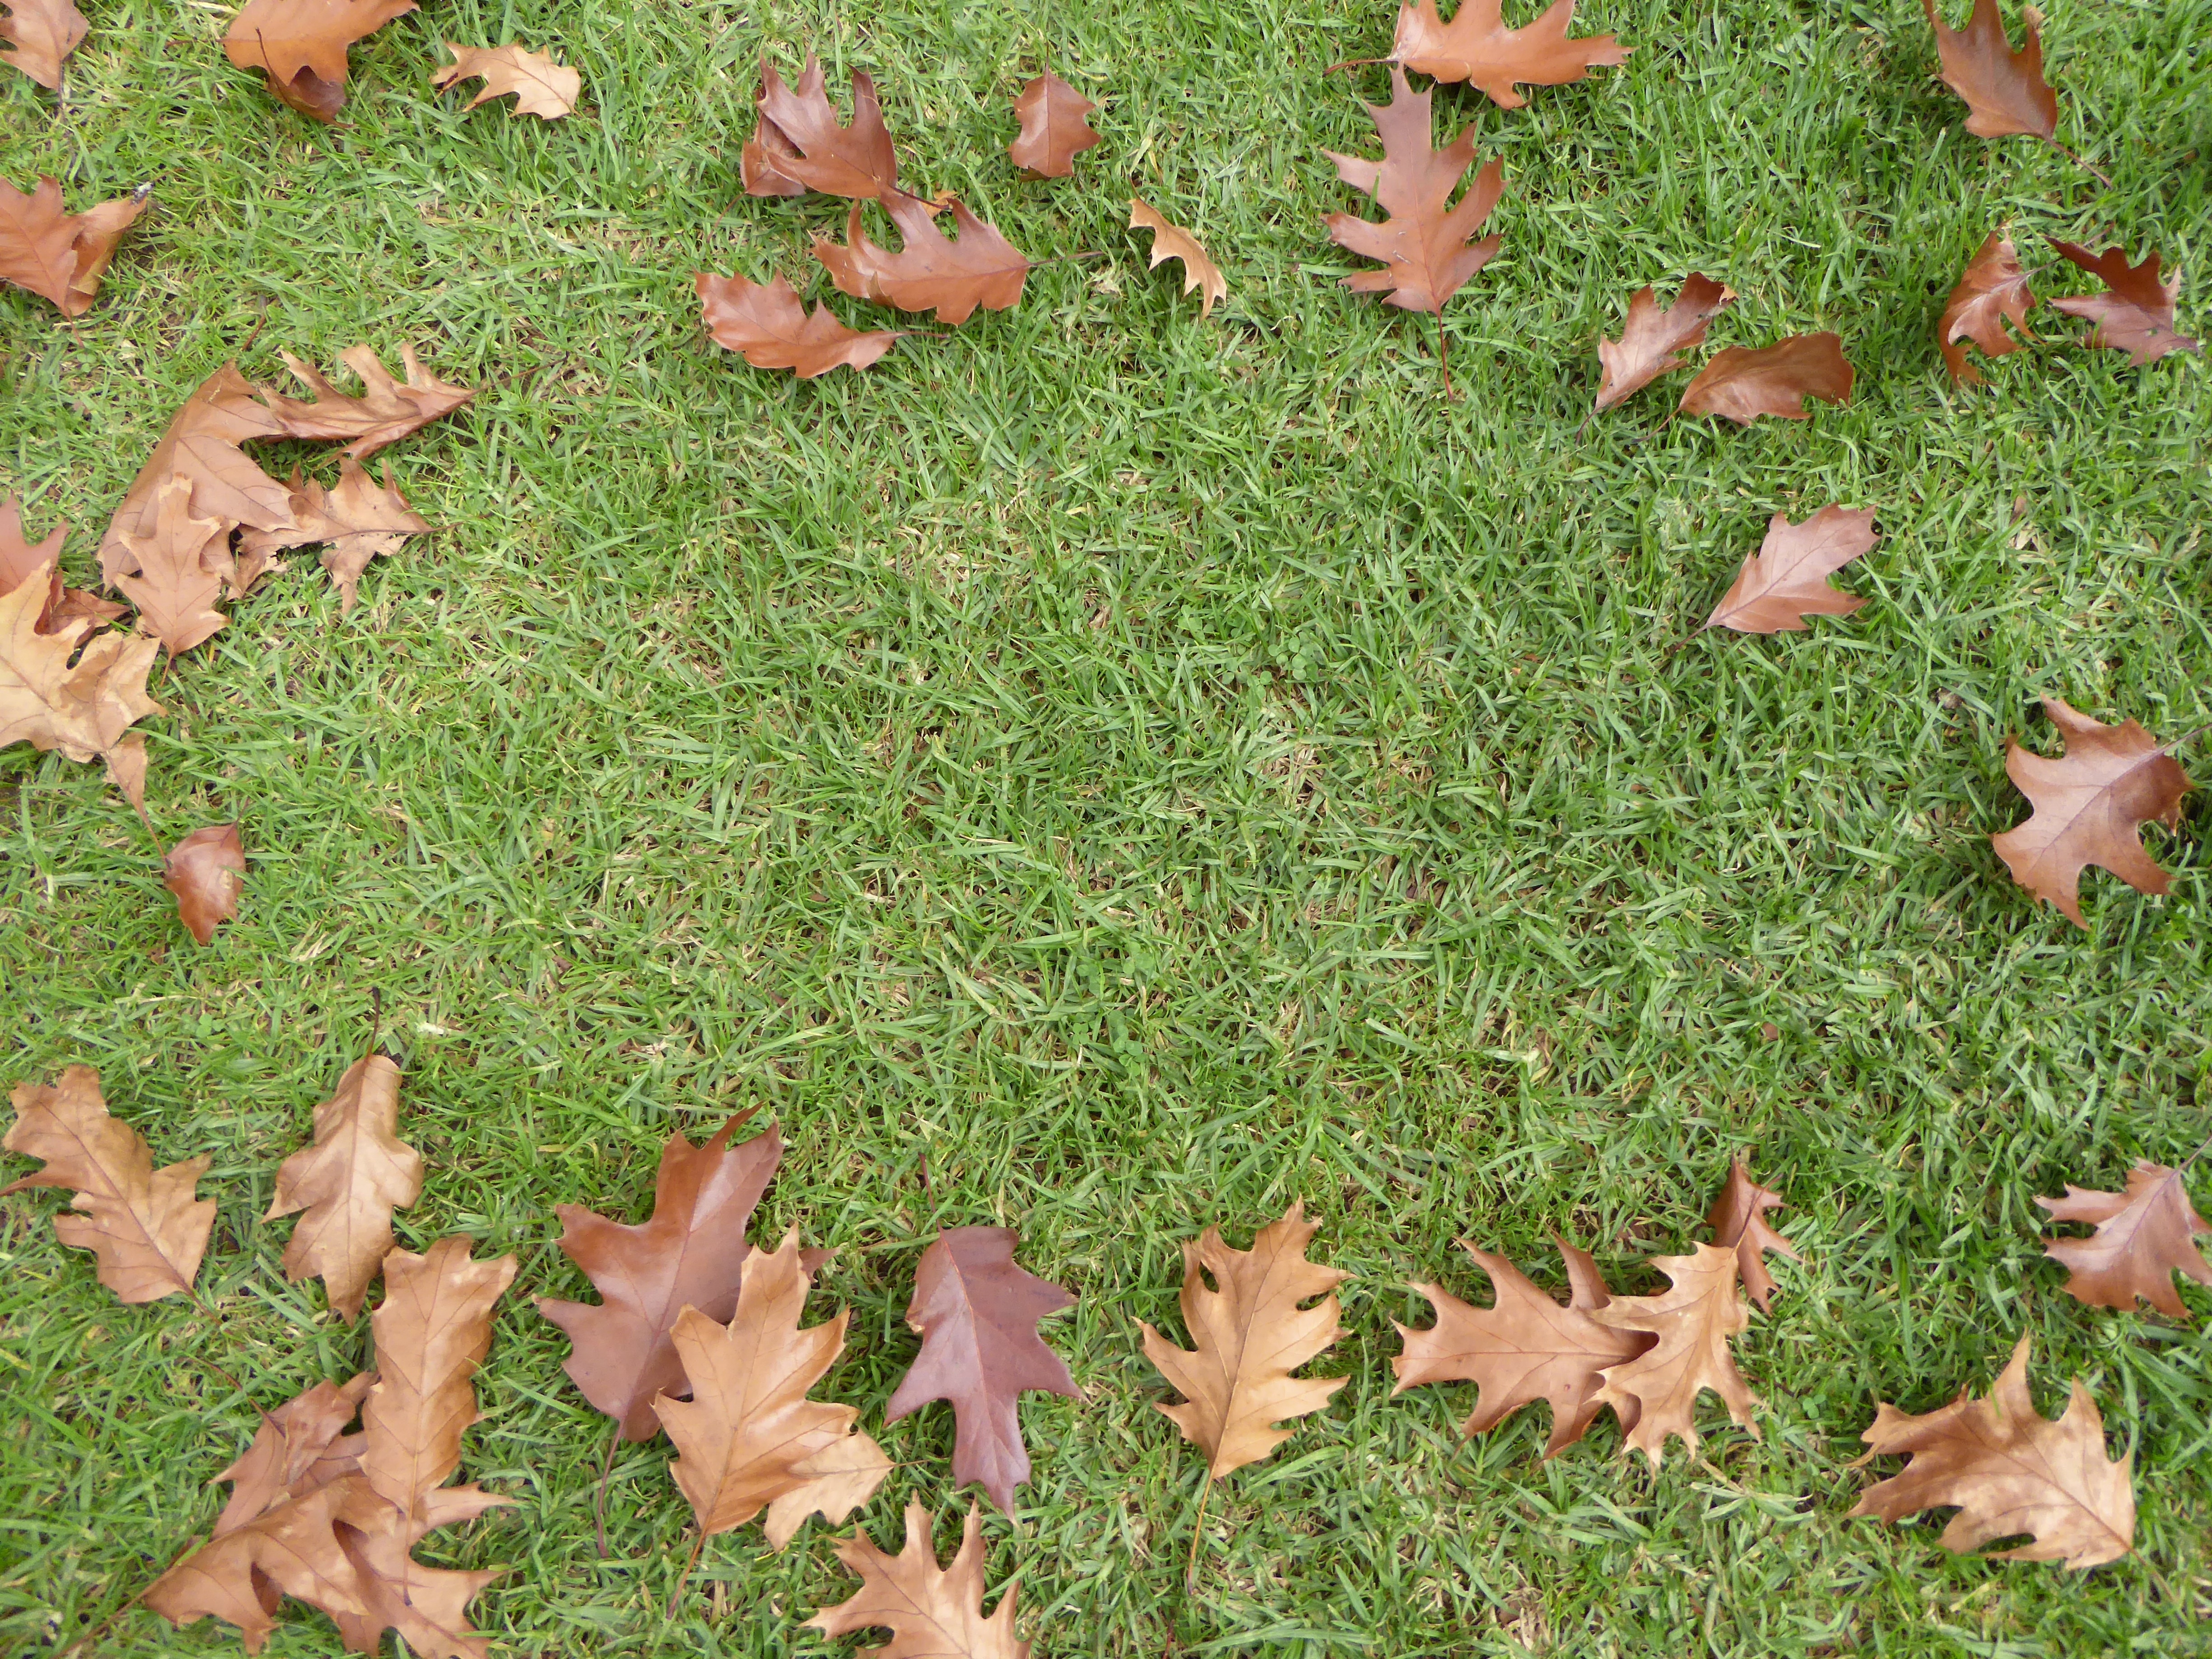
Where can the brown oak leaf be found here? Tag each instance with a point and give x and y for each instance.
(977, 1314)
(800, 147)
(59, 256)
(2005, 91)
(1693, 1322)
(931, 1612)
(202, 445)
(1250, 1335)
(143, 1225)
(301, 45)
(1054, 127)
(931, 271)
(1991, 288)
(384, 413)
(82, 709)
(2009, 1470)
(2090, 805)
(19, 556)
(1744, 384)
(832, 1483)
(1173, 242)
(301, 1447)
(1477, 47)
(2135, 314)
(541, 87)
(2144, 1236)
(1651, 337)
(766, 325)
(206, 872)
(1787, 579)
(179, 571)
(360, 518)
(348, 1180)
(39, 33)
(1738, 1217)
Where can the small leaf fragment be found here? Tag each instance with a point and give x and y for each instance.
(1787, 579)
(541, 87)
(1739, 1218)
(1171, 241)
(206, 870)
(1054, 127)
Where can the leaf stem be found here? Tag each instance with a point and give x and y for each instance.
(1197, 1532)
(2095, 172)
(599, 1496)
(689, 1562)
(1443, 351)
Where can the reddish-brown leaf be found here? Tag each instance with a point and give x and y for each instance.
(1477, 47)
(1744, 384)
(206, 870)
(2135, 314)
(1651, 337)
(301, 45)
(59, 256)
(1787, 579)
(202, 445)
(360, 518)
(82, 709)
(180, 572)
(2090, 806)
(1991, 288)
(800, 147)
(1054, 130)
(932, 1612)
(2005, 91)
(931, 271)
(300, 1448)
(348, 1180)
(1694, 1323)
(1739, 1218)
(767, 325)
(2144, 1236)
(384, 413)
(39, 33)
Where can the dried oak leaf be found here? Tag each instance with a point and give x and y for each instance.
(206, 872)
(800, 147)
(348, 1180)
(179, 572)
(1250, 1335)
(142, 1225)
(2144, 1236)
(977, 1314)
(59, 256)
(541, 87)
(1054, 130)
(1693, 1322)
(1991, 288)
(691, 1254)
(1651, 337)
(1524, 1348)
(931, 271)
(386, 410)
(1173, 242)
(2090, 804)
(931, 1612)
(41, 34)
(360, 518)
(1787, 579)
(202, 445)
(1744, 384)
(749, 1434)
(766, 325)
(2005, 91)
(2135, 315)
(1738, 1217)
(301, 45)
(1477, 48)
(82, 710)
(1424, 243)
(2009, 1470)
(301, 1446)
(19, 556)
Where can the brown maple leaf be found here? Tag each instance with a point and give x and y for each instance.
(1172, 242)
(40, 34)
(359, 519)
(174, 588)
(2009, 1470)
(2135, 314)
(206, 872)
(19, 558)
(1054, 130)
(1744, 384)
(1424, 243)
(800, 147)
(2005, 91)
(1738, 1217)
(541, 87)
(202, 445)
(931, 1612)
(1477, 48)
(766, 325)
(348, 1180)
(1250, 1335)
(1787, 579)
(82, 709)
(2090, 805)
(301, 45)
(1693, 1322)
(977, 1314)
(143, 1226)
(2144, 1236)
(301, 1447)
(1651, 337)
(1991, 288)
(59, 256)
(385, 411)
(1524, 1348)
(931, 271)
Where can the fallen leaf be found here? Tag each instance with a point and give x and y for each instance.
(2135, 315)
(1054, 129)
(1744, 384)
(41, 34)
(1693, 1322)
(541, 87)
(174, 589)
(1738, 1217)
(1477, 48)
(2144, 1236)
(2009, 1470)
(2090, 805)
(1787, 579)
(300, 1448)
(1524, 1348)
(82, 710)
(348, 1180)
(766, 325)
(19, 556)
(202, 445)
(799, 145)
(385, 412)
(360, 518)
(301, 45)
(1991, 288)
(433, 1329)
(1424, 243)
(1651, 337)
(2005, 91)
(931, 1612)
(1172, 242)
(832, 1483)
(143, 1226)
(205, 871)
(977, 1314)
(932, 271)
(1250, 1335)
(59, 256)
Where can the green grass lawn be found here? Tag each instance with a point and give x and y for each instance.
(1108, 772)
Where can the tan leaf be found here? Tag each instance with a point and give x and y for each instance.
(1738, 1217)
(298, 1449)
(1693, 1322)
(2009, 1470)
(386, 410)
(301, 45)
(1250, 1335)
(1173, 242)
(59, 256)
(1054, 130)
(349, 1181)
(1524, 1348)
(1651, 337)
(205, 871)
(766, 325)
(19, 556)
(2090, 806)
(800, 147)
(932, 271)
(1991, 288)
(2005, 91)
(175, 589)
(82, 710)
(360, 518)
(1787, 579)
(2135, 314)
(41, 34)
(1744, 384)
(931, 1612)
(833, 1483)
(202, 445)
(1477, 47)
(2144, 1236)
(432, 1328)
(143, 1225)
(541, 87)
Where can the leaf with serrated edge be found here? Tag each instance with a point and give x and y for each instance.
(1787, 579)
(2005, 91)
(1738, 1217)
(1054, 130)
(932, 1612)
(1991, 289)
(2144, 1236)
(2135, 314)
(541, 87)
(1477, 48)
(348, 1180)
(1171, 241)
(1649, 338)
(1693, 1322)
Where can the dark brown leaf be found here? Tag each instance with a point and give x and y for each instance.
(1054, 128)
(1477, 48)
(301, 45)
(1739, 1218)
(1991, 288)
(2144, 1236)
(59, 256)
(800, 147)
(1744, 384)
(2135, 314)
(768, 326)
(1651, 337)
(2005, 91)
(932, 271)
(206, 872)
